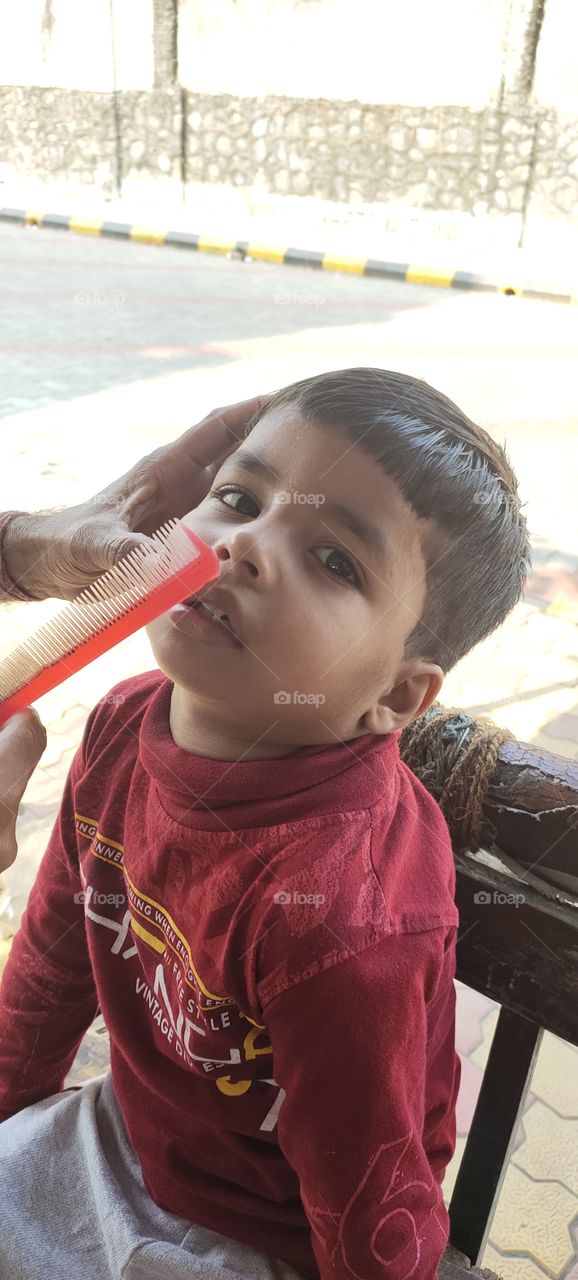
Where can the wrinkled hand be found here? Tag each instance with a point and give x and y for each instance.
(22, 742)
(61, 553)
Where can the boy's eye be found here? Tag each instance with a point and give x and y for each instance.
(354, 578)
(221, 494)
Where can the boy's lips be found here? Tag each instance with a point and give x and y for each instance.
(218, 601)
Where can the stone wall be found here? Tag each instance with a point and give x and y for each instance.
(446, 157)
(66, 136)
(507, 169)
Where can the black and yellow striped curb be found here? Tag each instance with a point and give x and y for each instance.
(413, 273)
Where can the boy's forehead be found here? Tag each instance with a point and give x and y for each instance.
(297, 448)
(319, 458)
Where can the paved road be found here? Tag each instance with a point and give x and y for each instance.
(102, 337)
(81, 314)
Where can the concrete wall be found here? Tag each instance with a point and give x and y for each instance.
(461, 114)
(373, 51)
(556, 78)
(68, 44)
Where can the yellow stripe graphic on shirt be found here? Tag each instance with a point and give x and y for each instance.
(148, 937)
(153, 941)
(160, 945)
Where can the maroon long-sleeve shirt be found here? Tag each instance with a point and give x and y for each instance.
(285, 1064)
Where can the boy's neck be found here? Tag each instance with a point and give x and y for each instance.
(193, 734)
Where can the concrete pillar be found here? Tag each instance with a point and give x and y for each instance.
(522, 34)
(165, 29)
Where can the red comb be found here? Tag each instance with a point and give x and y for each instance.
(138, 589)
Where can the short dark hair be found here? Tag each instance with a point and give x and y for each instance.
(448, 469)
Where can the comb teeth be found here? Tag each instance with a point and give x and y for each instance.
(114, 595)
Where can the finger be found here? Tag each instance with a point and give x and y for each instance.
(22, 742)
(94, 549)
(8, 845)
(117, 549)
(183, 462)
(209, 441)
(23, 726)
(236, 416)
(212, 439)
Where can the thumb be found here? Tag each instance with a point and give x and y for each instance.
(22, 742)
(118, 548)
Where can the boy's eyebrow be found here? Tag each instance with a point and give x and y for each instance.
(360, 528)
(250, 461)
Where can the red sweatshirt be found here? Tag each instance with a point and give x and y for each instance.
(285, 1064)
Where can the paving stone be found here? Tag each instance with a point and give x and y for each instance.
(59, 747)
(543, 689)
(564, 727)
(559, 746)
(550, 1149)
(567, 610)
(555, 1079)
(513, 1268)
(5, 944)
(71, 723)
(480, 1053)
(471, 1008)
(46, 783)
(470, 1085)
(452, 1170)
(93, 1057)
(534, 1217)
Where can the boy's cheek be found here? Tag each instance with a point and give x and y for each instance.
(191, 518)
(156, 628)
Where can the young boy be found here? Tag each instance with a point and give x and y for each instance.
(253, 888)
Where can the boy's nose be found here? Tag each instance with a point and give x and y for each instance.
(247, 552)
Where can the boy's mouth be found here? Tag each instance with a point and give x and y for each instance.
(212, 611)
(219, 615)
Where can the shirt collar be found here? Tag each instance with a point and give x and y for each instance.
(309, 781)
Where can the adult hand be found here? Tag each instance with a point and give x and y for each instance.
(61, 553)
(22, 742)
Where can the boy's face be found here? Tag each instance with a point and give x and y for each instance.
(322, 615)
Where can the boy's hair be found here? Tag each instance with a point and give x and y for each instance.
(448, 469)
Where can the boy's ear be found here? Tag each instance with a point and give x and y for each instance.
(406, 700)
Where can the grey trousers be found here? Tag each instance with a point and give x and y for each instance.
(73, 1205)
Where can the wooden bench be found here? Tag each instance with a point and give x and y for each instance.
(518, 933)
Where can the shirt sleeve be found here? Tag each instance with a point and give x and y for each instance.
(47, 995)
(365, 1055)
